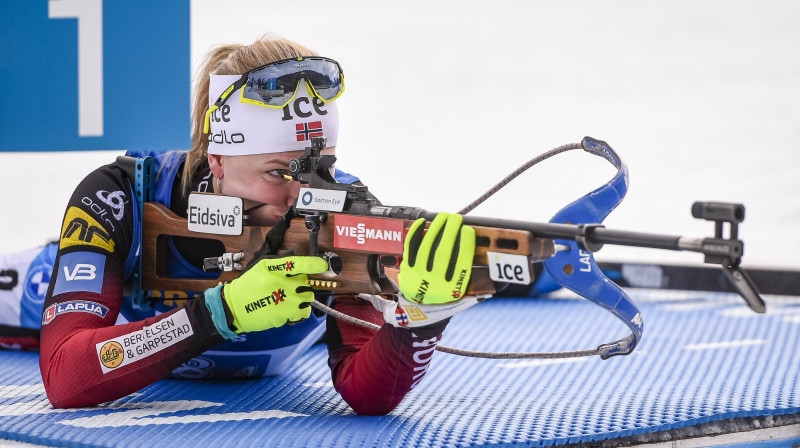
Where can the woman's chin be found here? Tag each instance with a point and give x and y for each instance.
(267, 220)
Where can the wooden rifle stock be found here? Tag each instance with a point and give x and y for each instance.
(362, 271)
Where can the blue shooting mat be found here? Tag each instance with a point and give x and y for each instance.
(704, 357)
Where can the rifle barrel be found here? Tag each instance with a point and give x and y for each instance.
(639, 239)
(594, 235)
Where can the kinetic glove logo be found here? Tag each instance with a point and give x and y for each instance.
(423, 288)
(457, 293)
(273, 299)
(288, 266)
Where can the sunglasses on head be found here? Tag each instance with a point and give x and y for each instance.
(275, 84)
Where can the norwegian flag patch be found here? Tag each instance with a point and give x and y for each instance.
(307, 130)
(400, 315)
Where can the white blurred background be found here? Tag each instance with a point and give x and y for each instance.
(444, 98)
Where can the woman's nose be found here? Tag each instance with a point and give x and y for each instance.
(293, 191)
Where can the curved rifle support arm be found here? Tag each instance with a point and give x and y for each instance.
(576, 268)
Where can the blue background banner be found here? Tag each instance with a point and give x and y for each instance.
(145, 76)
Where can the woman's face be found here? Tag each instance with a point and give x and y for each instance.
(258, 179)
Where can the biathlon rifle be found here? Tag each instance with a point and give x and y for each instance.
(362, 240)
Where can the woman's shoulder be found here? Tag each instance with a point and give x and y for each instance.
(160, 157)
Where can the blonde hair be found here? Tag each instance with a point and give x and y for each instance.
(234, 59)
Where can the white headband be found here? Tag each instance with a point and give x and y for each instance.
(240, 129)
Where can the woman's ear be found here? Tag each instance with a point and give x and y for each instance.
(215, 163)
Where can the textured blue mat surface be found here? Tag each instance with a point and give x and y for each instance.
(703, 357)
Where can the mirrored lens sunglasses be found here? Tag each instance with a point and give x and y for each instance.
(275, 84)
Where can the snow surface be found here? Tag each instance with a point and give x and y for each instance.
(701, 99)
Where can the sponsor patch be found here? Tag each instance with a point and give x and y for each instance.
(111, 354)
(98, 210)
(415, 313)
(73, 306)
(80, 271)
(509, 268)
(115, 200)
(81, 229)
(217, 214)
(369, 234)
(319, 199)
(140, 344)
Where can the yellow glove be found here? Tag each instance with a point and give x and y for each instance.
(437, 264)
(272, 293)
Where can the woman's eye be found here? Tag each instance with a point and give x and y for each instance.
(279, 172)
(278, 175)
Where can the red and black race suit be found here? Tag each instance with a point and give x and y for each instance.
(374, 370)
(87, 358)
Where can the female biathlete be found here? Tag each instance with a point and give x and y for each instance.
(267, 99)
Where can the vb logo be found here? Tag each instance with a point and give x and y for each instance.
(81, 271)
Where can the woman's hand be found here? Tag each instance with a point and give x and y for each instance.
(437, 264)
(272, 293)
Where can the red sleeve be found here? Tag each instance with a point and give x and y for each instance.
(85, 359)
(374, 370)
